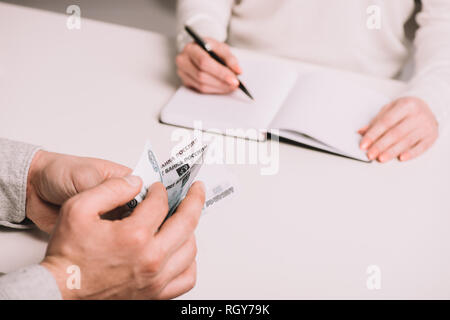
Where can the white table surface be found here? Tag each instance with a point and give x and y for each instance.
(309, 231)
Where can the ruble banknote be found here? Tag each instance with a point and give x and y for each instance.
(177, 175)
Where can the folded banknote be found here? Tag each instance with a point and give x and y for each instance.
(177, 175)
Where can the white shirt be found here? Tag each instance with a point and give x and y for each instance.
(365, 36)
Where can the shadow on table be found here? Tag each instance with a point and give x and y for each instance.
(305, 146)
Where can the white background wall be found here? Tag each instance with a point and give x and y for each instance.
(154, 15)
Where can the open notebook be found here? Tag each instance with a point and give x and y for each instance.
(320, 109)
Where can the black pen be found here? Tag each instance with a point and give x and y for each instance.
(205, 46)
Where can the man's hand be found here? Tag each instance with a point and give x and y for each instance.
(199, 71)
(53, 178)
(403, 129)
(132, 258)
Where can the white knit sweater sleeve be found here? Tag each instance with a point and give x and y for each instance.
(431, 81)
(209, 18)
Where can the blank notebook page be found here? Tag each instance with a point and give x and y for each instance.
(268, 82)
(331, 109)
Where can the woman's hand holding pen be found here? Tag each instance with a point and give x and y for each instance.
(199, 71)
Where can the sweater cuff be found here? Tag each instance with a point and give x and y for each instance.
(205, 26)
(31, 283)
(16, 160)
(437, 100)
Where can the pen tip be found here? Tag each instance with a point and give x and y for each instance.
(244, 89)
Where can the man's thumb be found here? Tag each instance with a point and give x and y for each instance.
(110, 194)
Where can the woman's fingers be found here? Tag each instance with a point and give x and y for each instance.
(201, 78)
(363, 130)
(402, 145)
(190, 82)
(418, 149)
(206, 74)
(383, 122)
(205, 63)
(404, 128)
(223, 50)
(390, 138)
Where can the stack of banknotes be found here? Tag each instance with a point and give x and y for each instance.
(177, 175)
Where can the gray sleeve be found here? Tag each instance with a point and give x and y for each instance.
(31, 283)
(15, 160)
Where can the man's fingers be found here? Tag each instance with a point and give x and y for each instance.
(152, 211)
(107, 196)
(181, 284)
(115, 170)
(389, 138)
(383, 123)
(179, 261)
(205, 63)
(180, 226)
